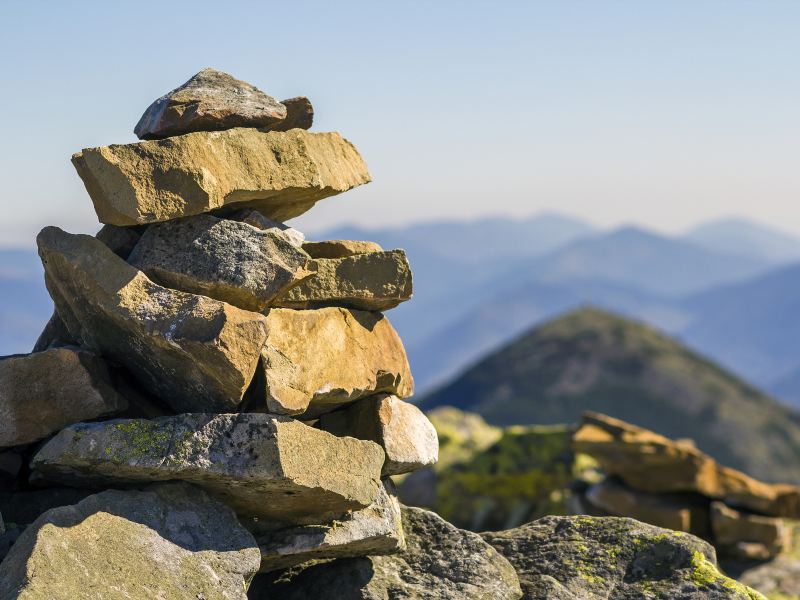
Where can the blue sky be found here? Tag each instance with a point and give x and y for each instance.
(657, 113)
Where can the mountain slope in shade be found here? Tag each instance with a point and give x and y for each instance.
(593, 360)
(746, 238)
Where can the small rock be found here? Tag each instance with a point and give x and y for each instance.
(209, 101)
(440, 562)
(42, 392)
(374, 281)
(633, 454)
(259, 221)
(280, 174)
(222, 259)
(315, 361)
(263, 466)
(676, 512)
(299, 114)
(748, 536)
(596, 558)
(339, 248)
(193, 352)
(171, 541)
(403, 431)
(374, 530)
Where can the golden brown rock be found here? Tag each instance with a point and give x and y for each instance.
(650, 462)
(317, 360)
(372, 281)
(195, 353)
(339, 248)
(280, 174)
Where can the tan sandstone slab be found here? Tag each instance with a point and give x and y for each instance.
(195, 353)
(635, 454)
(272, 470)
(280, 174)
(403, 431)
(372, 531)
(170, 541)
(740, 534)
(372, 281)
(42, 392)
(339, 248)
(315, 361)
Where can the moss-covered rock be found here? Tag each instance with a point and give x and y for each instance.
(588, 558)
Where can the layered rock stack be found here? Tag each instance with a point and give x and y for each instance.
(673, 485)
(197, 340)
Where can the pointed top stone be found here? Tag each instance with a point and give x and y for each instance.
(209, 101)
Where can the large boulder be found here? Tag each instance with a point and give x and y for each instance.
(440, 562)
(372, 281)
(315, 361)
(195, 353)
(280, 174)
(210, 101)
(223, 259)
(272, 470)
(374, 530)
(594, 558)
(403, 431)
(633, 454)
(42, 392)
(171, 541)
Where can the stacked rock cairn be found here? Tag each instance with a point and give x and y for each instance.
(216, 407)
(252, 364)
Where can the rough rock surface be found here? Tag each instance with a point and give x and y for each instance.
(339, 248)
(440, 562)
(259, 221)
(280, 174)
(264, 466)
(171, 541)
(42, 392)
(748, 536)
(315, 361)
(633, 454)
(374, 281)
(374, 530)
(670, 512)
(223, 259)
(193, 352)
(588, 558)
(210, 101)
(403, 431)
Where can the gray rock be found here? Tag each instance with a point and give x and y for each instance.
(210, 101)
(171, 541)
(223, 259)
(374, 530)
(194, 352)
(402, 430)
(370, 281)
(259, 221)
(42, 392)
(299, 115)
(440, 562)
(264, 466)
(593, 558)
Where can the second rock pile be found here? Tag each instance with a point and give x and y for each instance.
(198, 339)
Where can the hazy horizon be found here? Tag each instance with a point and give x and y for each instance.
(659, 115)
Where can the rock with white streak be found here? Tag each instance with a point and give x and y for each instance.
(403, 431)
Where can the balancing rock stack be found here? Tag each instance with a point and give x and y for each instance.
(213, 395)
